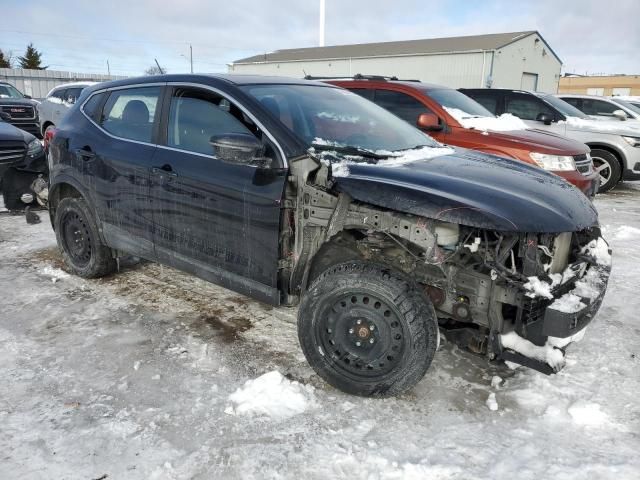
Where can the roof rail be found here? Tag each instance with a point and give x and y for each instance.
(359, 76)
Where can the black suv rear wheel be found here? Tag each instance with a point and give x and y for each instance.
(367, 330)
(79, 241)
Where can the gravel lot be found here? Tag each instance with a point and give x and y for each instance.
(129, 377)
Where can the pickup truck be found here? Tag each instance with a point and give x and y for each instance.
(304, 194)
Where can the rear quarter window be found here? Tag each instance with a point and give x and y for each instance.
(93, 107)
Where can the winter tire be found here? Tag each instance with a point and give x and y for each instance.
(79, 241)
(367, 330)
(608, 167)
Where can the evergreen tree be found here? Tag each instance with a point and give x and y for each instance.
(32, 59)
(5, 61)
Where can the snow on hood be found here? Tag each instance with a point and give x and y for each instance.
(504, 123)
(394, 159)
(602, 125)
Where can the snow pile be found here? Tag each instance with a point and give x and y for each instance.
(504, 123)
(584, 413)
(569, 303)
(540, 288)
(272, 395)
(54, 273)
(598, 249)
(546, 353)
(626, 232)
(491, 402)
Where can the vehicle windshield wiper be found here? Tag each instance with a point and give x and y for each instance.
(349, 150)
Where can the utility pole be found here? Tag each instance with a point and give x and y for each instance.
(108, 68)
(191, 57)
(321, 26)
(159, 67)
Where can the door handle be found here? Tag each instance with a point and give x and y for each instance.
(165, 169)
(85, 154)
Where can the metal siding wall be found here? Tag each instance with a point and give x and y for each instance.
(37, 83)
(525, 56)
(452, 70)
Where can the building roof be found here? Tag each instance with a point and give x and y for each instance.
(406, 47)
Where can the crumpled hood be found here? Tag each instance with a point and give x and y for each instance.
(473, 189)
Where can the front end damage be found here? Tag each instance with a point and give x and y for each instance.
(516, 296)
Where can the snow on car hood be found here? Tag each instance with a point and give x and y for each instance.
(504, 123)
(601, 125)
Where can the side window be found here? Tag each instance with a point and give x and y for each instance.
(400, 104)
(71, 95)
(93, 107)
(574, 102)
(489, 102)
(130, 113)
(57, 95)
(598, 107)
(197, 115)
(364, 92)
(526, 107)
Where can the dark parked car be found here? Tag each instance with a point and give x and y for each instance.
(21, 109)
(301, 193)
(22, 160)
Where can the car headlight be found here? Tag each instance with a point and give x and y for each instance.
(34, 148)
(553, 162)
(633, 141)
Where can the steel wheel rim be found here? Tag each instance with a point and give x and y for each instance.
(361, 336)
(603, 168)
(76, 239)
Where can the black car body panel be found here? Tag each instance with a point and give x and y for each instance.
(268, 229)
(474, 189)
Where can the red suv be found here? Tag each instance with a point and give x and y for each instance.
(453, 118)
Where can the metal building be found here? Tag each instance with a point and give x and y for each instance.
(37, 83)
(502, 60)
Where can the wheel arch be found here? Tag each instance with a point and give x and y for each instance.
(46, 125)
(66, 187)
(611, 149)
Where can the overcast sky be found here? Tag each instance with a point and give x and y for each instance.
(588, 35)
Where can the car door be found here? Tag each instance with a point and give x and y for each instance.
(116, 160)
(216, 217)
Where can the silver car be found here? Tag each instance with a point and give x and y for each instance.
(609, 108)
(58, 101)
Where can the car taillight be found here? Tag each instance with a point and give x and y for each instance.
(48, 136)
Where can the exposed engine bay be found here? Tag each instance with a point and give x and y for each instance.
(516, 296)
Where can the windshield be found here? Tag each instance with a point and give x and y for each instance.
(563, 107)
(629, 106)
(330, 116)
(464, 106)
(9, 91)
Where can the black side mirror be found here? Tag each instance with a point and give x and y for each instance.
(544, 118)
(242, 148)
(5, 116)
(28, 96)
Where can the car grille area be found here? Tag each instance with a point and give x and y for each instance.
(19, 112)
(11, 152)
(584, 164)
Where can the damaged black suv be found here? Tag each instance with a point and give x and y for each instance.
(300, 193)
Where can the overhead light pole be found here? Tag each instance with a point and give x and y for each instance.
(322, 5)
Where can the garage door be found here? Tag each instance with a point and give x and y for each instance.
(529, 81)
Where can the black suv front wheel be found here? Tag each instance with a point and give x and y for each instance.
(367, 330)
(78, 239)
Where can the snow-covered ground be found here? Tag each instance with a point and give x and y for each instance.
(152, 374)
